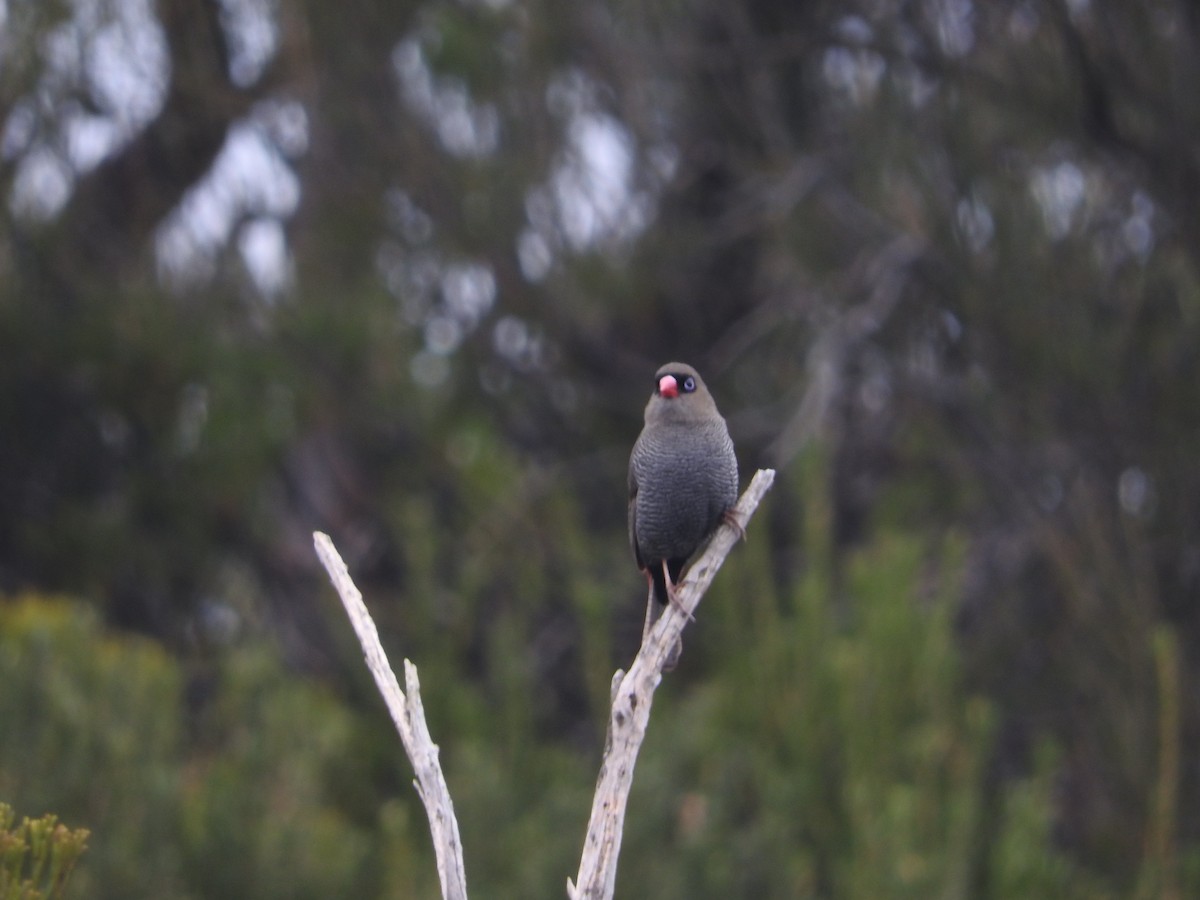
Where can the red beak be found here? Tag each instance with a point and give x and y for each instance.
(668, 387)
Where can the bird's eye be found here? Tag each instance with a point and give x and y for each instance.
(689, 384)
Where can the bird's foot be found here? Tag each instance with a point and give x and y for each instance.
(675, 602)
(729, 517)
(672, 596)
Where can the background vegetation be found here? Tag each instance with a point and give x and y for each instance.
(401, 271)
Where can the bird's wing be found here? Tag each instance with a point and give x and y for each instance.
(633, 492)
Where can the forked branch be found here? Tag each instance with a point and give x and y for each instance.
(629, 716)
(409, 716)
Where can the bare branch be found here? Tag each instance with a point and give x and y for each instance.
(632, 695)
(409, 716)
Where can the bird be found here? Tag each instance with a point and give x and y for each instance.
(683, 480)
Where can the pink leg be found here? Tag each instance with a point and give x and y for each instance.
(730, 519)
(671, 593)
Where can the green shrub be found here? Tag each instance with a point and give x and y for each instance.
(835, 751)
(231, 800)
(37, 856)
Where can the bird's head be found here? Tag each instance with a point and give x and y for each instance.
(679, 396)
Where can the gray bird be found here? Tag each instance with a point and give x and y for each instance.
(683, 479)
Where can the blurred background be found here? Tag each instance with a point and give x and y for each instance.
(402, 271)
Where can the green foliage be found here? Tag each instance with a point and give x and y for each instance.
(37, 856)
(92, 732)
(1021, 863)
(836, 752)
(257, 816)
(235, 799)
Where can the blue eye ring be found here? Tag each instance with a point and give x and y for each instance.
(689, 384)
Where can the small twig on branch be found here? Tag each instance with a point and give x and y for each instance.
(409, 716)
(632, 695)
